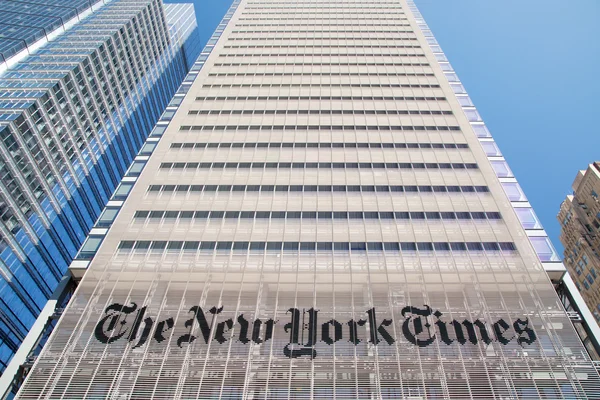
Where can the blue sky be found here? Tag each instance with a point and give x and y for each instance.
(531, 67)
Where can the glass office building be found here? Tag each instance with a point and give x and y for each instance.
(182, 27)
(321, 213)
(72, 117)
(25, 25)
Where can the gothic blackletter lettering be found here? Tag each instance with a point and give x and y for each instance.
(500, 327)
(442, 328)
(522, 328)
(412, 336)
(376, 331)
(293, 327)
(483, 332)
(353, 325)
(243, 329)
(337, 332)
(312, 327)
(188, 337)
(256, 331)
(219, 332)
(202, 322)
(160, 329)
(470, 327)
(111, 333)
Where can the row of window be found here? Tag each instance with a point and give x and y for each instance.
(337, 12)
(361, 31)
(323, 64)
(396, 39)
(319, 6)
(589, 278)
(320, 98)
(321, 74)
(319, 188)
(318, 127)
(327, 46)
(320, 112)
(340, 3)
(320, 165)
(328, 18)
(320, 55)
(326, 145)
(321, 85)
(161, 245)
(329, 2)
(400, 215)
(322, 24)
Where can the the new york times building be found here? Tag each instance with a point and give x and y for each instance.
(323, 215)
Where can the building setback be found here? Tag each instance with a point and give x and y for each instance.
(321, 214)
(73, 115)
(579, 217)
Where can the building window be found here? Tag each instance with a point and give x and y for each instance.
(144, 246)
(315, 188)
(589, 278)
(384, 215)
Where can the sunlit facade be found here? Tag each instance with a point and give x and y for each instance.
(579, 217)
(72, 117)
(321, 213)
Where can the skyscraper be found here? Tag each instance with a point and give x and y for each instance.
(73, 114)
(321, 214)
(579, 217)
(29, 24)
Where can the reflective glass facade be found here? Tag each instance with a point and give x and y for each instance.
(320, 213)
(24, 23)
(72, 117)
(183, 29)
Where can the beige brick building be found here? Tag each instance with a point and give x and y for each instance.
(579, 217)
